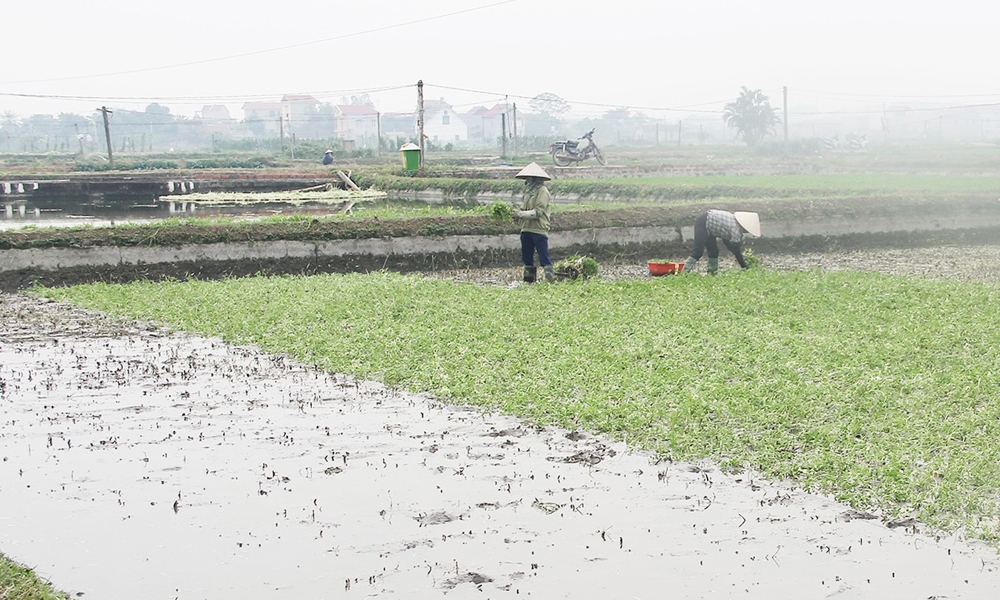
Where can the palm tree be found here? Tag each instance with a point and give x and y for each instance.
(10, 120)
(752, 115)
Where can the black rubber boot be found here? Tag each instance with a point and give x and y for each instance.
(689, 265)
(550, 274)
(529, 274)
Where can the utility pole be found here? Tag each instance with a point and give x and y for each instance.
(378, 129)
(515, 129)
(679, 133)
(503, 132)
(784, 103)
(281, 132)
(420, 118)
(107, 133)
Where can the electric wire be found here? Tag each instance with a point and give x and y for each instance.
(267, 50)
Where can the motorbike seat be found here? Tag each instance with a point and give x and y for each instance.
(572, 144)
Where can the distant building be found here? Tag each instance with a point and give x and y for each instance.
(299, 112)
(214, 112)
(262, 118)
(214, 120)
(486, 126)
(357, 122)
(442, 125)
(399, 125)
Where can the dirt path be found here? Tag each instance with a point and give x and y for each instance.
(965, 263)
(138, 463)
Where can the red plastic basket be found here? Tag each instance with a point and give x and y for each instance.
(665, 268)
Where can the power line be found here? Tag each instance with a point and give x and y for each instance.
(890, 96)
(202, 99)
(883, 111)
(268, 50)
(581, 103)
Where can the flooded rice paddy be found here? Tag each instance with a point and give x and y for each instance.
(141, 463)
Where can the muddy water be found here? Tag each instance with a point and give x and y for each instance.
(138, 463)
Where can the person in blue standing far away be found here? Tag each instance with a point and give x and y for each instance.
(534, 220)
(730, 227)
(328, 157)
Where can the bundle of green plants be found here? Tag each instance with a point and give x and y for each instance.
(500, 210)
(576, 267)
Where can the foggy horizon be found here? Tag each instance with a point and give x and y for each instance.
(663, 60)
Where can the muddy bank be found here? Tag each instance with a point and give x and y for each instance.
(969, 263)
(613, 249)
(142, 463)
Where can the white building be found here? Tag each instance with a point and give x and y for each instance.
(442, 125)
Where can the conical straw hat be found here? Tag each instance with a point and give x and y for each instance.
(533, 170)
(749, 221)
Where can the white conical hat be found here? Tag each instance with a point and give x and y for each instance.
(749, 221)
(533, 170)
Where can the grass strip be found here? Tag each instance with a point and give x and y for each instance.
(18, 582)
(880, 390)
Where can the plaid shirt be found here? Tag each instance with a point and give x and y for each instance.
(723, 225)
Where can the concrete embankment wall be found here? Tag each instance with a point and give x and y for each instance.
(19, 268)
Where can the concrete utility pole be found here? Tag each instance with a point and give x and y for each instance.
(515, 129)
(420, 118)
(378, 130)
(503, 131)
(281, 132)
(107, 133)
(679, 132)
(784, 103)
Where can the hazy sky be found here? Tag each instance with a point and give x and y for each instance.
(643, 54)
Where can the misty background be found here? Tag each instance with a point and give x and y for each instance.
(193, 75)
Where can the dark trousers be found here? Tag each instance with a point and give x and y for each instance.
(531, 243)
(703, 241)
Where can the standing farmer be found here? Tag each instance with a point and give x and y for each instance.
(730, 227)
(534, 221)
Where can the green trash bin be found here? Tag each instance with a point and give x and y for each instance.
(411, 156)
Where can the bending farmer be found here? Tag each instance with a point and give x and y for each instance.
(534, 221)
(730, 228)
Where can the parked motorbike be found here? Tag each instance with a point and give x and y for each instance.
(567, 152)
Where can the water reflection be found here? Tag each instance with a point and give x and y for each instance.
(27, 213)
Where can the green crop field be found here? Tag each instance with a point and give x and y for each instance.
(880, 390)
